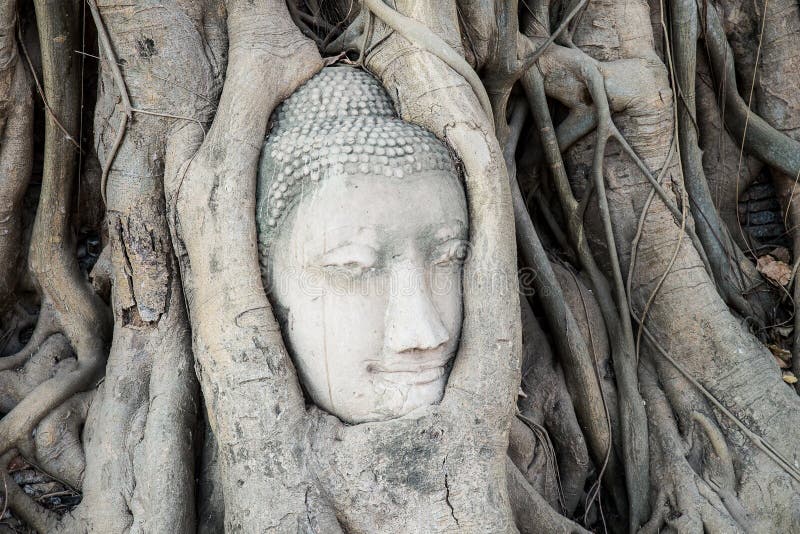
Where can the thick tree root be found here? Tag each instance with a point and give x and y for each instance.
(139, 472)
(773, 94)
(420, 35)
(754, 133)
(685, 502)
(715, 240)
(53, 356)
(743, 355)
(34, 514)
(79, 313)
(45, 327)
(16, 151)
(548, 405)
(269, 58)
(59, 449)
(708, 470)
(632, 435)
(533, 514)
(578, 362)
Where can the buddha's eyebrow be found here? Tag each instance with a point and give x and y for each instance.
(339, 236)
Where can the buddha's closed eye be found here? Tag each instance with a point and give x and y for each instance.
(451, 252)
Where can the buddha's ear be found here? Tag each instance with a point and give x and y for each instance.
(427, 92)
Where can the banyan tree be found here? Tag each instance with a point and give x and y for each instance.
(368, 266)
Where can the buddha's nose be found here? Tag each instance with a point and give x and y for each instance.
(412, 321)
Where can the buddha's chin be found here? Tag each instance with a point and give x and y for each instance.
(421, 395)
(393, 399)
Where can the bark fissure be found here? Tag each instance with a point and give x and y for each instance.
(447, 491)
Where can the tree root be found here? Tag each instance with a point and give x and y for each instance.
(757, 440)
(728, 178)
(685, 501)
(139, 472)
(631, 415)
(577, 361)
(79, 311)
(45, 327)
(34, 514)
(752, 132)
(420, 35)
(632, 418)
(562, 27)
(774, 95)
(16, 157)
(52, 356)
(240, 356)
(26, 415)
(59, 449)
(719, 471)
(533, 514)
(56, 446)
(235, 335)
(548, 403)
(635, 247)
(715, 240)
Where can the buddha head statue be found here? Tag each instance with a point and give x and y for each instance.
(362, 228)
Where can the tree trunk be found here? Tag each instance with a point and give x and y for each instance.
(613, 369)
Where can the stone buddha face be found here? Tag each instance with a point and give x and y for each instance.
(367, 284)
(363, 265)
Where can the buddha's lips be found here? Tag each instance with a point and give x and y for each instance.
(410, 371)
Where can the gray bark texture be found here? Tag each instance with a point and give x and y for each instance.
(623, 365)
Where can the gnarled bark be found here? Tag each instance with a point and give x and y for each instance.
(654, 394)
